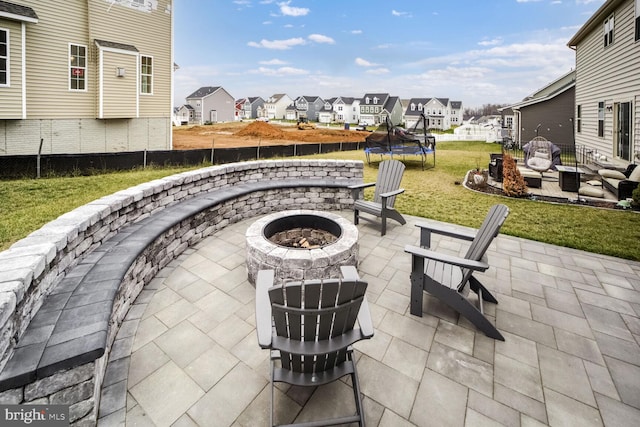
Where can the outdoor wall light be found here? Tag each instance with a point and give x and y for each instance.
(609, 108)
(120, 72)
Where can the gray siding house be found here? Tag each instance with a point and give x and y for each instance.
(547, 112)
(376, 107)
(607, 91)
(250, 106)
(305, 107)
(211, 104)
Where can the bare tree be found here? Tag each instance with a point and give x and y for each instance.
(484, 110)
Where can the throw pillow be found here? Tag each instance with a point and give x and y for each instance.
(611, 173)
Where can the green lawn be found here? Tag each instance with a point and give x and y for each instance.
(436, 193)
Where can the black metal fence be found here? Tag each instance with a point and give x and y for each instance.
(569, 155)
(30, 166)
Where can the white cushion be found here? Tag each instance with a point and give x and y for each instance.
(529, 173)
(635, 174)
(613, 182)
(611, 173)
(542, 154)
(595, 183)
(587, 190)
(539, 163)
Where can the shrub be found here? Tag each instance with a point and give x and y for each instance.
(513, 183)
(635, 195)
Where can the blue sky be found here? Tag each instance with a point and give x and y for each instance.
(474, 51)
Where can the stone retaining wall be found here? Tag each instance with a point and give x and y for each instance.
(32, 267)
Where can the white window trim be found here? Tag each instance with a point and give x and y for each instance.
(86, 60)
(152, 79)
(609, 27)
(8, 58)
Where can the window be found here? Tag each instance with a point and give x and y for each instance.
(419, 107)
(579, 119)
(413, 107)
(600, 118)
(4, 57)
(637, 37)
(146, 74)
(77, 67)
(608, 31)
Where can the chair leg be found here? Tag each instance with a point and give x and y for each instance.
(356, 217)
(476, 286)
(459, 303)
(396, 216)
(271, 416)
(356, 392)
(416, 286)
(384, 223)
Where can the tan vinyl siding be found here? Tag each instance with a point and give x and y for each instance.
(48, 94)
(118, 24)
(607, 74)
(119, 96)
(11, 104)
(66, 119)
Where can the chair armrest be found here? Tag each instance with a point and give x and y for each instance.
(427, 228)
(392, 193)
(364, 319)
(349, 272)
(359, 186)
(264, 281)
(447, 259)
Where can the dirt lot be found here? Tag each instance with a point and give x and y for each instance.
(244, 134)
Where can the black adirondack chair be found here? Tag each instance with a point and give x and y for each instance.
(387, 188)
(313, 332)
(449, 278)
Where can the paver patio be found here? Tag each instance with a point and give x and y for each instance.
(187, 354)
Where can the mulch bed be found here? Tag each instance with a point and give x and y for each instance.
(579, 200)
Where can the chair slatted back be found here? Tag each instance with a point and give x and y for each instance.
(389, 177)
(486, 233)
(314, 311)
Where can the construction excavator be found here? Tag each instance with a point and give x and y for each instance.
(303, 124)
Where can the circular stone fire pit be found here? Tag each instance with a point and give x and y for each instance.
(313, 245)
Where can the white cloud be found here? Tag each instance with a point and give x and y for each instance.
(273, 62)
(492, 42)
(278, 44)
(356, 31)
(319, 38)
(279, 72)
(287, 10)
(404, 14)
(364, 63)
(379, 71)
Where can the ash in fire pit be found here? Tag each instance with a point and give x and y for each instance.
(301, 245)
(305, 238)
(307, 231)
